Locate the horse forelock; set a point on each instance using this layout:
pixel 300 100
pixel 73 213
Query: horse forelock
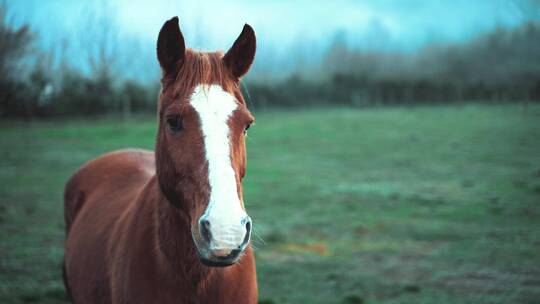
pixel 201 68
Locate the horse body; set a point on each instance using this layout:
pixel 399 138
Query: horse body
pixel 145 227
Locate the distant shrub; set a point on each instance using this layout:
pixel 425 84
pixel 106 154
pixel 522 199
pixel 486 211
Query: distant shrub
pixel 75 95
pixel 141 98
pixel 352 90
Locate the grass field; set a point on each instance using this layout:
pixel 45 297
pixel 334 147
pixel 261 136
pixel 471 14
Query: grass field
pixel 389 205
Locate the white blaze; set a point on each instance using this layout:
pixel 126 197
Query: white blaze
pixel 224 211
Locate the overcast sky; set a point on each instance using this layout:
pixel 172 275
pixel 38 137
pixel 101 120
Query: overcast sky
pixel 397 25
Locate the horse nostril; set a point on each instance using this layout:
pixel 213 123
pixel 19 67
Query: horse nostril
pixel 204 227
pixel 248 232
pixel 248 227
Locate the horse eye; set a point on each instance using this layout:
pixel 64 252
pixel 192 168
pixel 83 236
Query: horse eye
pixel 174 123
pixel 247 128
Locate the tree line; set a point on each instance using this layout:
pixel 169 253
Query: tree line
pixel 500 66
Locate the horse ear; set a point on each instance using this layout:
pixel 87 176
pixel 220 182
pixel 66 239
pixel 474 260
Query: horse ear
pixel 170 46
pixel 240 56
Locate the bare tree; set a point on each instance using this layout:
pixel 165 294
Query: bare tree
pixel 15 45
pixel 99 39
pixel 100 42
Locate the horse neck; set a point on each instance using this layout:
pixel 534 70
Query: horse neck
pixel 175 244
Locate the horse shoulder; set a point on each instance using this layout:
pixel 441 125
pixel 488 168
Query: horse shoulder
pixel 103 175
pixel 133 256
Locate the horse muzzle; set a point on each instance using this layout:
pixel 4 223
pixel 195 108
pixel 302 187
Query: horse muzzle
pixel 221 245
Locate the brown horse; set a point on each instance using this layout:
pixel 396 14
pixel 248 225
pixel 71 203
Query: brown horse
pixel 146 227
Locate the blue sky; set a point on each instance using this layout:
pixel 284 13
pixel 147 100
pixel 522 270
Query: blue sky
pixel 282 27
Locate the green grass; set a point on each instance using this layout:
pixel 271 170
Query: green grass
pixel 390 205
